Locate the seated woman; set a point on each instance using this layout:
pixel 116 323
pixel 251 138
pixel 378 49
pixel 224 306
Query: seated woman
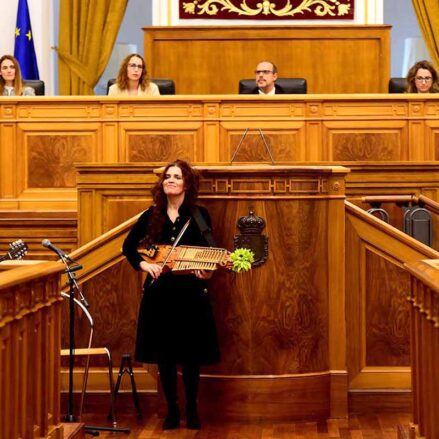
pixel 11 83
pixel 132 79
pixel 422 78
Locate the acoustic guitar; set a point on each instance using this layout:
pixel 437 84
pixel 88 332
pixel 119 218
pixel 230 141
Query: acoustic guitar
pixel 17 250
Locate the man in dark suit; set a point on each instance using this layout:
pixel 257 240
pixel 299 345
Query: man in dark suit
pixel 266 75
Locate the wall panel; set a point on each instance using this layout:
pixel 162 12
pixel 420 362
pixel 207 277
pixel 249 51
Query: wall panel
pixel 372 141
pixel 217 57
pixel 378 341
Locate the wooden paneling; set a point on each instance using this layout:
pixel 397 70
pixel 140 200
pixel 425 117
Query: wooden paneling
pixel 378 342
pixel 358 141
pixel 104 203
pixel 41 143
pixel 32 227
pixel 387 340
pixel 30 327
pixel 286 141
pixel 142 142
pixel 424 330
pixel 217 57
pixel 51 160
pixel 291 397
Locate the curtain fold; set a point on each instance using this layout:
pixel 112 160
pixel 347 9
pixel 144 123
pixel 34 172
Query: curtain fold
pixel 427 12
pixel 87 32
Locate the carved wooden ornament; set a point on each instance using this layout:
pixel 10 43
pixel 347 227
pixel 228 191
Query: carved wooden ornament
pixel 251 237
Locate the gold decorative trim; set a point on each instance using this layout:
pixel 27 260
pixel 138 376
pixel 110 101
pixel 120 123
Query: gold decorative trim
pixel 275 186
pixel 321 8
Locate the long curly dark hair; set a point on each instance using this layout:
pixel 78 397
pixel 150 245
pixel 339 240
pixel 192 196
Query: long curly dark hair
pixel 122 76
pixel 411 75
pixel 191 185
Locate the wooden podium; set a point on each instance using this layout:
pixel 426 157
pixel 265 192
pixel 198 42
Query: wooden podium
pixel 282 325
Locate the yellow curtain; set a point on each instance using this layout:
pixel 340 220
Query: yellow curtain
pixel 87 31
pixel 427 12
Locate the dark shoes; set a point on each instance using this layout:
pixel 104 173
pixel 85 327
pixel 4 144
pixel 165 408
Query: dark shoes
pixel 192 418
pixel 172 420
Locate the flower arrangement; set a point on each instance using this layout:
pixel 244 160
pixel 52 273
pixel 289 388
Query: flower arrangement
pixel 242 259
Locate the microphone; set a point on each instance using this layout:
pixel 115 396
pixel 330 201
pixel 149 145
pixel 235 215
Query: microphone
pixel 69 270
pixel 46 243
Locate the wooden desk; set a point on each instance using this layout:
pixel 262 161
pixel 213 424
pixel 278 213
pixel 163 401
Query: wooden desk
pixel 42 139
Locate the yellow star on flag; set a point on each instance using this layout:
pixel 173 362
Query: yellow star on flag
pixel 29 35
pixel 17 32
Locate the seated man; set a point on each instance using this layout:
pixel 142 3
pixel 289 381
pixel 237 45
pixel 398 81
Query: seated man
pixel 266 75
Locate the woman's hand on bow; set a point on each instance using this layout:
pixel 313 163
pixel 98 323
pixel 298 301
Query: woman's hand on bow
pixel 153 269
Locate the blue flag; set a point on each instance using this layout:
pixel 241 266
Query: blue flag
pixel 24 43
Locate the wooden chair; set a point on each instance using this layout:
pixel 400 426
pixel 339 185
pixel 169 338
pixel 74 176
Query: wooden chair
pixel 37 85
pixel 397 85
pixel 89 352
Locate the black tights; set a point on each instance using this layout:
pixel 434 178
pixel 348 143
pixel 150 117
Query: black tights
pixel 191 378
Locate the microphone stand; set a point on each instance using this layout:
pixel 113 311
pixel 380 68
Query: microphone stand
pixel 70 271
pixel 73 285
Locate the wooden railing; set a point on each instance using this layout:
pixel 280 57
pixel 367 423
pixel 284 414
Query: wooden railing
pixel 377 312
pixel 29 351
pixel 424 312
pixel 421 200
pixel 415 214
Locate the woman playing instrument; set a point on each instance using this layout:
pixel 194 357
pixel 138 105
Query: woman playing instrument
pixel 176 324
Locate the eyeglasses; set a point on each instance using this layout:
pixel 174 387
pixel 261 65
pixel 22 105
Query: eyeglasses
pixel 135 66
pixel 263 72
pixel 422 79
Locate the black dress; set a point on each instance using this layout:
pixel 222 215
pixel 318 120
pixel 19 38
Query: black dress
pixel 175 322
